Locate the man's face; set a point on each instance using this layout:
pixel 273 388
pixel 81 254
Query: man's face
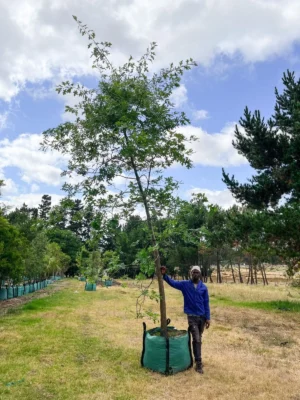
pixel 195 276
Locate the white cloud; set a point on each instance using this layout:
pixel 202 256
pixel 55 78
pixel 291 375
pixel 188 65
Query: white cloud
pixel 214 149
pixel 31 199
pixel 179 96
pixel 39 40
pixel 200 114
pixel 34 188
pixel 221 197
pixel 9 188
pixel 35 166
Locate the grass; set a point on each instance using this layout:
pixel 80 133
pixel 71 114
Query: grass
pixel 279 305
pixel 87 345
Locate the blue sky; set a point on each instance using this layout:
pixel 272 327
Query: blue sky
pixel 242 51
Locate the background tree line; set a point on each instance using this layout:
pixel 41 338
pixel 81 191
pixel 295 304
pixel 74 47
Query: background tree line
pixel 48 240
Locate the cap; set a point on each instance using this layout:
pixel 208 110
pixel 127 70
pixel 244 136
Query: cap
pixel 195 268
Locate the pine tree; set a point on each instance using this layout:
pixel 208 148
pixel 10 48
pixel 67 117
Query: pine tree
pixel 45 207
pixel 273 149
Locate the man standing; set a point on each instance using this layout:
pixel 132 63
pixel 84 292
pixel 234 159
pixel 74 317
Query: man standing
pixel 196 306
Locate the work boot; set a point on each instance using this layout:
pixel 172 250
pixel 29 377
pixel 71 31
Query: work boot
pixel 199 367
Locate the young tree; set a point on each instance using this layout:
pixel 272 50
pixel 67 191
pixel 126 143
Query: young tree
pixel 127 127
pixel 272 148
pixel 69 243
pixel 57 261
pixel 35 262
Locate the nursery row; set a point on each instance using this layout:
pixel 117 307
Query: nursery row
pixel 10 291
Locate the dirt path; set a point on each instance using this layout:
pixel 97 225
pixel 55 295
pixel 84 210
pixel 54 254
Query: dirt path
pixel 6 305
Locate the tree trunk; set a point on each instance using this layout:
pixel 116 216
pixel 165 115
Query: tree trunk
pixel 232 271
pixel 240 274
pixel 255 273
pixel 264 272
pixel 250 274
pixel 162 301
pixel 219 276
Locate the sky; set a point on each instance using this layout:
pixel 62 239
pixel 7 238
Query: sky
pixel 242 48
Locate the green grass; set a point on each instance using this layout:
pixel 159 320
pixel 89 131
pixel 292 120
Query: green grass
pixel 46 351
pixel 278 305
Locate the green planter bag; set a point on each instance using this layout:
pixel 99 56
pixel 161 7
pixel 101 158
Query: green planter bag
pixel 3 294
pixel 108 283
pixel 167 356
pixel 91 287
pixel 26 289
pixel 20 290
pixel 10 292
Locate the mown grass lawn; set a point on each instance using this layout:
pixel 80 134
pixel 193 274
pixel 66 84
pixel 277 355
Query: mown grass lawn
pixel 87 345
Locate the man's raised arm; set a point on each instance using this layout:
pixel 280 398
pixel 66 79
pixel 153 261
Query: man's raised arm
pixel 175 284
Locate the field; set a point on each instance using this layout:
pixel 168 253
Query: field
pixel 82 345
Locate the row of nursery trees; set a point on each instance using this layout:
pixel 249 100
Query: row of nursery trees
pixel 127 130
pixel 69 239
pixel 36 243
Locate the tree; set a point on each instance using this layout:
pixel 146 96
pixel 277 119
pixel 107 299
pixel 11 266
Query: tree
pixel 35 262
pixel 215 233
pixel 56 260
pixel 273 149
pixel 45 207
pixel 12 251
pixel 69 243
pixel 76 217
pixel 25 220
pixel 127 127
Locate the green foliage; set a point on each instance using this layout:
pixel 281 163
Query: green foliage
pixel 273 149
pixel 26 221
pixel 69 243
pixel 145 261
pixel 56 260
pixel 35 262
pixel 45 207
pixel 12 249
pixel 94 266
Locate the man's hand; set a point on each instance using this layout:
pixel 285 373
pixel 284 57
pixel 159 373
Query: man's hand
pixel 163 270
pixel 207 323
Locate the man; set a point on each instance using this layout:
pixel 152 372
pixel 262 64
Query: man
pixel 196 306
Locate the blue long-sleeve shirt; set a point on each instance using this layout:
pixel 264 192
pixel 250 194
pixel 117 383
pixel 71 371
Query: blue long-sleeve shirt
pixel 196 300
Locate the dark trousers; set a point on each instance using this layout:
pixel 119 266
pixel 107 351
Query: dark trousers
pixel 196 327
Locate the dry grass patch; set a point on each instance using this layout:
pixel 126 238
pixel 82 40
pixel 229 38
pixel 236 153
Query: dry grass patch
pixel 87 345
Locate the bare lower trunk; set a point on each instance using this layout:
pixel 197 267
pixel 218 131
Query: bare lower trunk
pixel 240 274
pixel 264 272
pixel 162 303
pixel 255 273
pixel 232 271
pixel 250 275
pixel 219 276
